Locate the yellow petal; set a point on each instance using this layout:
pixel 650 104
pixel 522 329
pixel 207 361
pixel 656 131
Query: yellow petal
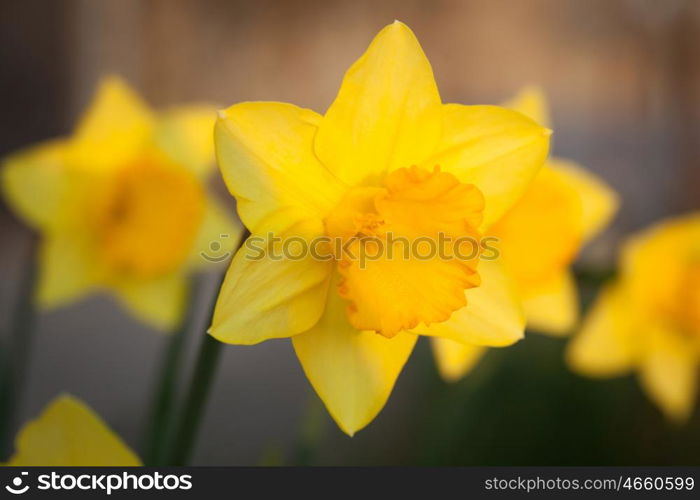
pixel 218 235
pixel 606 345
pixel 498 150
pixel 661 266
pixel 265 297
pixel 553 308
pixel 265 153
pixel 537 240
pixel 493 315
pixel 36 185
pixel 455 359
pixel 598 201
pixel 387 112
pixel 159 302
pixel 67 269
pixel 531 102
pixel 186 134
pixel 669 371
pixel 352 371
pixel 68 433
pixel 116 126
pixel 661 272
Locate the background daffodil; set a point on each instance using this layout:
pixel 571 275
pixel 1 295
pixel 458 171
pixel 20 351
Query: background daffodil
pixel 121 204
pixel 68 433
pixel 539 238
pixel 386 156
pixel 648 318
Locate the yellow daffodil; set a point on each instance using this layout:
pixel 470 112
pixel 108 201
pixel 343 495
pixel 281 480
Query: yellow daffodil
pixel 539 237
pixel 648 319
pixel 387 157
pixel 69 433
pixel 121 204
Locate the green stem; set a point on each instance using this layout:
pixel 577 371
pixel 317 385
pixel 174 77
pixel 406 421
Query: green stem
pixel 594 276
pixel 207 362
pixel 16 356
pixel 160 420
pixel 198 393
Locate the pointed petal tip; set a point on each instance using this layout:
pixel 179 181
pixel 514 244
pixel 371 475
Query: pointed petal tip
pixel 221 114
pixel 216 335
pixel 517 337
pixel 398 25
pixel 547 132
pixel 348 431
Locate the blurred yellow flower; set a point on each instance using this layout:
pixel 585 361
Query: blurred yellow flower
pixel 539 237
pixel 648 319
pixel 69 433
pixel 387 156
pixel 121 204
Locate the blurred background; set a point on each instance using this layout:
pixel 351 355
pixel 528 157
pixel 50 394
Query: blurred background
pixel 623 77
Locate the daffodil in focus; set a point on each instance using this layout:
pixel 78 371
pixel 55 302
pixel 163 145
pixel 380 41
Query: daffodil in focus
pixel 648 319
pixel 69 433
pixel 539 238
pixel 388 157
pixel 122 204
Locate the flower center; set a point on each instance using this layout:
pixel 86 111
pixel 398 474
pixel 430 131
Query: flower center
pixel 410 249
pixel 147 217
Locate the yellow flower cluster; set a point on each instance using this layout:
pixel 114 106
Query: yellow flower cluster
pixel 122 205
